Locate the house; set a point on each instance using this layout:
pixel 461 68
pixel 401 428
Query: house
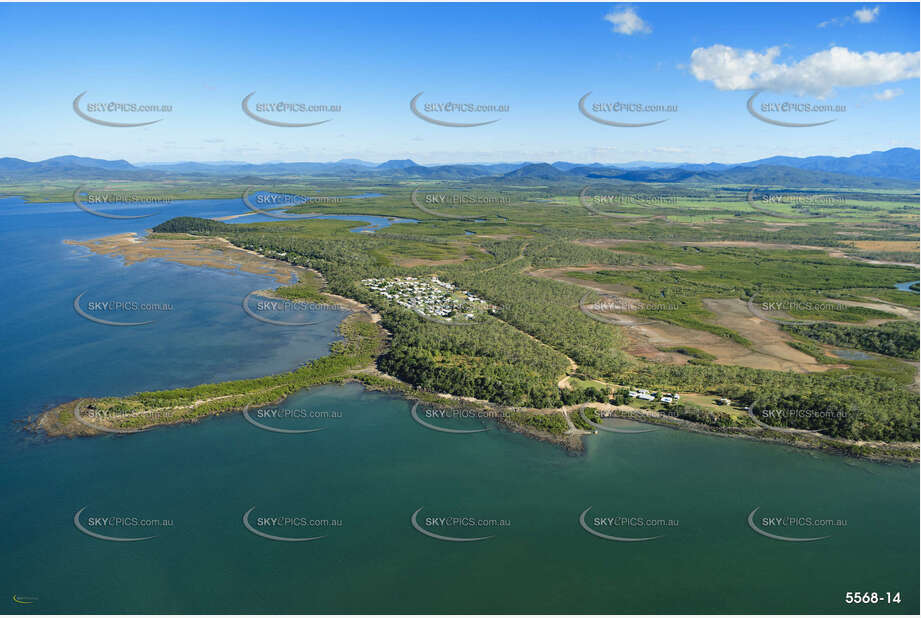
pixel 666 399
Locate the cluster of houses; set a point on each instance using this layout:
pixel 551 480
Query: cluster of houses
pixel 647 396
pixel 429 297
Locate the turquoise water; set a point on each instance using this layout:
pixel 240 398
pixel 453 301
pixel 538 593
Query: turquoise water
pixel 906 287
pixel 369 468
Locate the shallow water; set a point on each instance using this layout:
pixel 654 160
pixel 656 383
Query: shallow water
pixel 370 467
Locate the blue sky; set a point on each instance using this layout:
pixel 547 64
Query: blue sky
pixel 538 59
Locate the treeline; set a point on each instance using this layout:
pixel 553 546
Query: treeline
pixel 488 360
pixel 834 414
pixel 898 339
pixel 498 360
pixel 547 310
pixel 879 408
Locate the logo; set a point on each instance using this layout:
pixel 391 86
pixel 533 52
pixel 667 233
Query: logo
pixel 285 107
pixel 108 199
pixel 414 198
pixel 111 521
pixel 286 201
pixel 610 302
pixel 446 521
pixel 618 107
pixel 785 521
pixel 117 305
pixel 454 107
pixel 768 199
pixel 611 521
pixel 785 107
pixel 275 414
pixel 78 414
pixel 782 306
pixel 275 305
pixel 416 418
pixel 113 106
pixel 297 521
pixel 614 199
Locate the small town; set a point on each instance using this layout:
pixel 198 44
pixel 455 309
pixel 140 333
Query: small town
pixel 429 297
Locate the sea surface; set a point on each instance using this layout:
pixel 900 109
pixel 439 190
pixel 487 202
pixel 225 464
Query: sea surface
pixel 358 479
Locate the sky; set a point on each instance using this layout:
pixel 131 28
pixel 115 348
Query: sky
pixel 701 61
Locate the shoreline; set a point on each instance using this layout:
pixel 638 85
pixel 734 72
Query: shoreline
pixel 60 421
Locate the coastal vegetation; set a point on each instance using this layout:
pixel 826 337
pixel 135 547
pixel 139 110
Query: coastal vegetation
pixel 898 339
pixel 534 258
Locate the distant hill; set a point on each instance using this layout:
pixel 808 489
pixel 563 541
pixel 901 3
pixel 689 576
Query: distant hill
pixel 69 166
pixel 537 171
pixel 760 175
pixel 397 164
pixel 900 163
pixel 443 172
pixel 893 169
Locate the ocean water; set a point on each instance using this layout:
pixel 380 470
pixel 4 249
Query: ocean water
pixel 357 481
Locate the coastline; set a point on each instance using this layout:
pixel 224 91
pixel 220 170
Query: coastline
pixel 60 421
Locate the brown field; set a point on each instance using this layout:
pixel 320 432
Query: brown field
pixel 193 251
pixel 768 349
pixel 887 245
pixel 901 312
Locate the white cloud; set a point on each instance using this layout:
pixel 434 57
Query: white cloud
pixel 817 75
pixel 888 94
pixel 865 15
pixel 626 21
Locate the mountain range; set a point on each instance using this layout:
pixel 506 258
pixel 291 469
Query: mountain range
pixel 896 168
